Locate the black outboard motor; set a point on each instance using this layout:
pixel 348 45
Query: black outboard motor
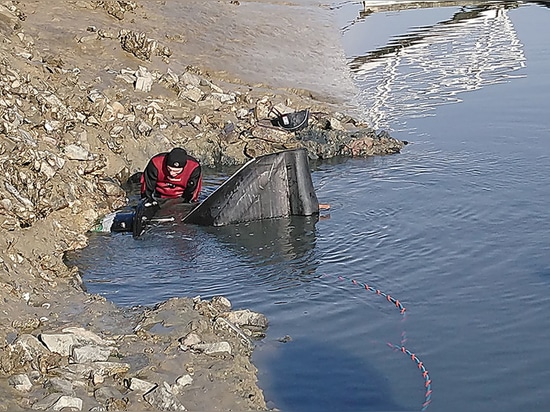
pixel 143 216
pixel 123 222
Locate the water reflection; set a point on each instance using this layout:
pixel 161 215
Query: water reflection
pixel 175 259
pixel 428 66
pixel 283 249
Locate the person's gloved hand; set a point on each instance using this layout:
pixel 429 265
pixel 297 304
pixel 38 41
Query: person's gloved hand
pixel 150 202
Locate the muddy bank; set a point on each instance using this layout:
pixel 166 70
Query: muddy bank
pixel 89 91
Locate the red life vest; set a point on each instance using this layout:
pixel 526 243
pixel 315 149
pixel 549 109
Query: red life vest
pixel 168 187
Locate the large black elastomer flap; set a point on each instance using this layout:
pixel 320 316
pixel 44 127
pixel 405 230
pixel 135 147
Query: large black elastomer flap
pixel 270 186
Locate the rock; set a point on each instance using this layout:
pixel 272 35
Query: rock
pixel 191 93
pixel 59 342
pixel 85 370
pixel 88 38
pixel 47 170
pixel 247 318
pixel 90 353
pixel 221 303
pixel 116 404
pixel 191 339
pixel 144 128
pixel 144 80
pixel 47 402
pixel 271 135
pixel 163 399
pixel 66 401
pixel 32 347
pixel 117 9
pixel 20 382
pixel 105 393
pixel 111 187
pixel 86 336
pixel 56 384
pixel 138 44
pixel 225 98
pixel 127 76
pixel 213 348
pixel 181 383
pixel 140 385
pixel 97 378
pixel 75 152
pixel 188 78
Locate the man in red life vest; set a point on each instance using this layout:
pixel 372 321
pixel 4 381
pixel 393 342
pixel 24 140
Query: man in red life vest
pixel 171 175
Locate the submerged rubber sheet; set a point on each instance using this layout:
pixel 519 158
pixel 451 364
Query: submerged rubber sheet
pixel 269 186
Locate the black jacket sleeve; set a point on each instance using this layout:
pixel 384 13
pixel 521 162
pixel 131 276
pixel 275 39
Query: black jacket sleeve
pixel 150 174
pixel 192 184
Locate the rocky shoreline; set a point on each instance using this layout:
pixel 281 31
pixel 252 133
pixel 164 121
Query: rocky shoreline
pixel 72 131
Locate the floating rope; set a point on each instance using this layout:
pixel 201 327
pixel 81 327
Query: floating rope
pixel 425 374
pixel 397 304
pixel 401 347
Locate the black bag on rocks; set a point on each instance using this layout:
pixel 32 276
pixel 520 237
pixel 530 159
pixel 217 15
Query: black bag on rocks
pixel 290 121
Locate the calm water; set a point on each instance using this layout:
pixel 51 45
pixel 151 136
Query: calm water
pixel 455 227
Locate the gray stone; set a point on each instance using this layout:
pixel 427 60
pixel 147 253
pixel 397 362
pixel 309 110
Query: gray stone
pixel 247 318
pixel 20 382
pixel 111 187
pixel 85 336
pixel 66 401
pixel 90 353
pixel 190 78
pixel 191 93
pixel 127 77
pixel 225 97
pixel 47 402
pixel 85 370
pixel 144 128
pixel 221 303
pixel 144 80
pixel 88 38
pixel 213 348
pixel 98 379
pixel 59 385
pixel 138 44
pixel 47 170
pixel 31 346
pixel 191 339
pixel 76 152
pixel 181 383
pixel 104 393
pixel 59 342
pixel 140 385
pixel 163 399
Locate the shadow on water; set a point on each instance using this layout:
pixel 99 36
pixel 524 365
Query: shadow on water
pixel 281 251
pixel 281 239
pixel 266 241
pixel 347 384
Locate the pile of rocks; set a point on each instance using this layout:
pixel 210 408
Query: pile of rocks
pixel 78 369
